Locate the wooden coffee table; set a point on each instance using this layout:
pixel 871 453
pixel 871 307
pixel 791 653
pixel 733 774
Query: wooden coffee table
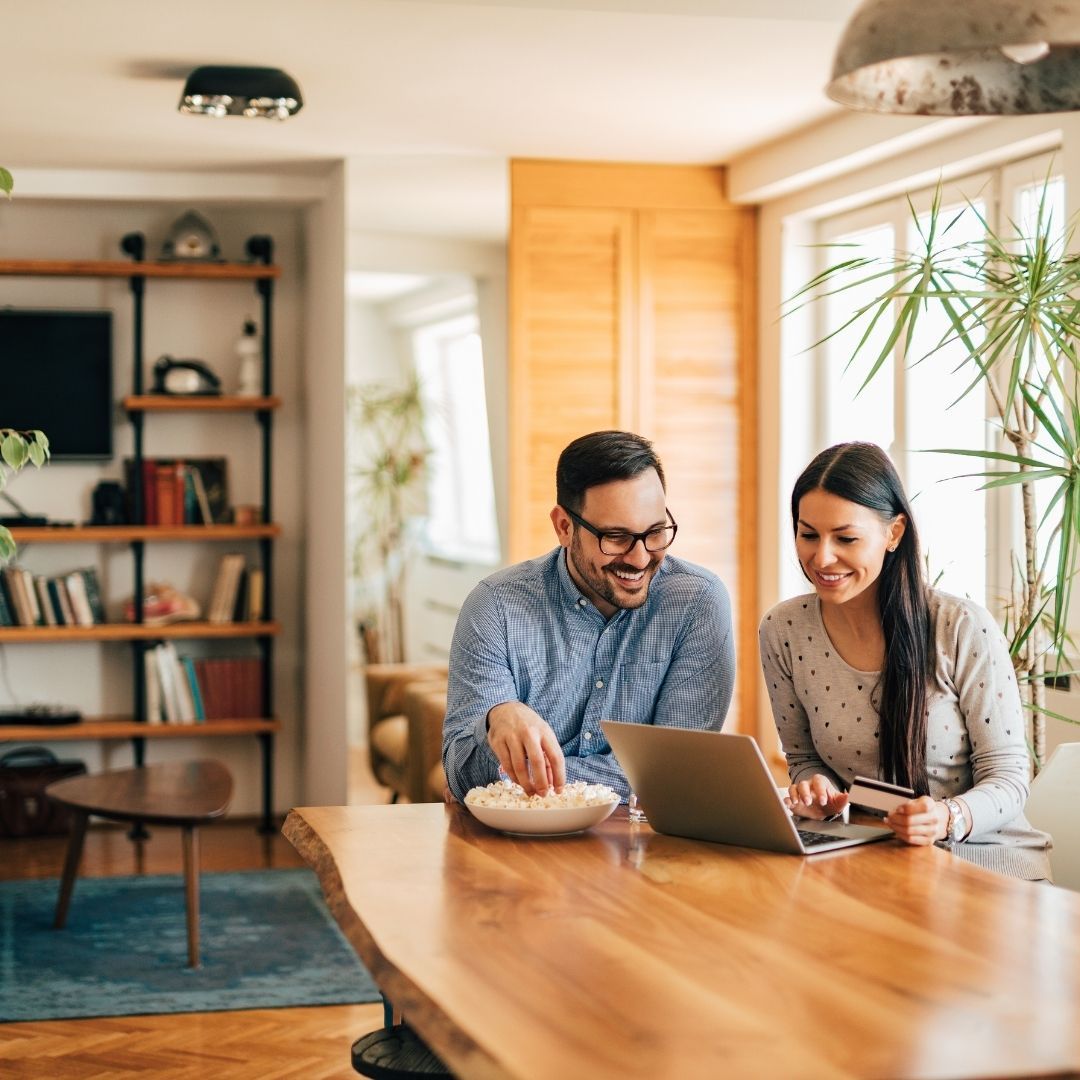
pixel 183 793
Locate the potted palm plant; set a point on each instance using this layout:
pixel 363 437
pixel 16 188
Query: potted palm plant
pixel 1010 305
pixel 389 482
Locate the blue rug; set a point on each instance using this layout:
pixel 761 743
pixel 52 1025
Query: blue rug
pixel 267 940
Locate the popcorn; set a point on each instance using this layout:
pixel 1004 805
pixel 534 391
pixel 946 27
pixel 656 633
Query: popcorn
pixel 510 796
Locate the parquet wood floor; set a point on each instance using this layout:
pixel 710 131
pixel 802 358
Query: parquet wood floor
pixel 270 1044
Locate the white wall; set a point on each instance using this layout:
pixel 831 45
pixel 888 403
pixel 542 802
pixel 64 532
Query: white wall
pixel 324 565
pixel 185 319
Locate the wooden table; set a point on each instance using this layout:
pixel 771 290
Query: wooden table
pixel 623 953
pixel 183 793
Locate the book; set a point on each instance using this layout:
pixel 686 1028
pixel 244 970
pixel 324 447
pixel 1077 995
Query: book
pixel 166 486
pixel 37 618
pixel 232 688
pixel 7 616
pixel 41 586
pixel 167 676
pixel 62 601
pixel 206 516
pixel 165 480
pixel 223 595
pixel 16 589
pixel 240 603
pixel 152 688
pixel 80 603
pixel 150 511
pixel 185 704
pixel 93 593
pixel 256 583
pixel 193 686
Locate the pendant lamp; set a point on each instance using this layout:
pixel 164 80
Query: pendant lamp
pixel 221 90
pixel 960 57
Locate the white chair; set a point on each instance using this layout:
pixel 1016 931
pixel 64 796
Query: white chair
pixel 1052 808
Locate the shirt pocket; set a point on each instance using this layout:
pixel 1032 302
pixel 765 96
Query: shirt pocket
pixel 637 685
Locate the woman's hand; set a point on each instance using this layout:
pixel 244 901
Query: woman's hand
pixel 920 821
pixel 815 798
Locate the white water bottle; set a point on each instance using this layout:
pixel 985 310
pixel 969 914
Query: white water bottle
pixel 249 352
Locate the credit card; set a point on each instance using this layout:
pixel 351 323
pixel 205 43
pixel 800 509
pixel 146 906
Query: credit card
pixel 877 794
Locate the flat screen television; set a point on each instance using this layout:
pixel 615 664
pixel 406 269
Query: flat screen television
pixel 57 377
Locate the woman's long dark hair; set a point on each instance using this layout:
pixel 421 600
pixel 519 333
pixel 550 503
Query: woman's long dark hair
pixel 862 473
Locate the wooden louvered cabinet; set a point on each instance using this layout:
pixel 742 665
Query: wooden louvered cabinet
pixel 632 292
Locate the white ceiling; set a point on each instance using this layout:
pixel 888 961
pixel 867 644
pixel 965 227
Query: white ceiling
pixel 426 99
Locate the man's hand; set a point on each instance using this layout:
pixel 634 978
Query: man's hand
pixel 815 798
pixel 526 748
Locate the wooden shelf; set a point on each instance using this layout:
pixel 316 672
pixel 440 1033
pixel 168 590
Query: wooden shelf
pixel 124 534
pixel 120 728
pixel 134 632
pixel 136 407
pixel 198 403
pixel 118 268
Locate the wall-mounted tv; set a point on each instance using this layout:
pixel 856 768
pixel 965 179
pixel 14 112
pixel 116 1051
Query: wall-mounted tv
pixel 57 376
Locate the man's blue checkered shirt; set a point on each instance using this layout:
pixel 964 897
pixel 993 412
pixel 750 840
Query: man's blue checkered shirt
pixel 528 634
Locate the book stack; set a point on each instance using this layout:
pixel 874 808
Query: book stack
pixel 175 492
pixel 237 595
pixel 231 688
pixel 184 690
pixel 72 599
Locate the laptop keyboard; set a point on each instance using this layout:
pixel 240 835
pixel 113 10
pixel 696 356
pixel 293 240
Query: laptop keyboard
pixel 809 838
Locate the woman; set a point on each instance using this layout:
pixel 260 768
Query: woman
pixel 879 675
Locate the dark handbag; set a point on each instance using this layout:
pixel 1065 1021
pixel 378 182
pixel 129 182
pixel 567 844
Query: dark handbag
pixel 25 810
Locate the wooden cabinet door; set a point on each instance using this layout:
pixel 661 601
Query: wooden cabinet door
pixel 631 306
pixel 572 343
pixel 696 378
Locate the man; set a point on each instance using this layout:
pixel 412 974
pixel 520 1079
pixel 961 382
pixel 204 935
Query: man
pixel 607 626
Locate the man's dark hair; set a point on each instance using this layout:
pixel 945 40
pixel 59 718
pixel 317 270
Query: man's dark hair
pixel 600 458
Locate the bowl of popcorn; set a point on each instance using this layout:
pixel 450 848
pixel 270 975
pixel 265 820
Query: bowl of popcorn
pixel 506 807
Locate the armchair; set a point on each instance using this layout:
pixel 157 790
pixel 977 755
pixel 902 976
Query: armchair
pixel 388 726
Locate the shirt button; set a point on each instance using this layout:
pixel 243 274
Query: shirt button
pixel 582 602
pixel 588 734
pixel 599 684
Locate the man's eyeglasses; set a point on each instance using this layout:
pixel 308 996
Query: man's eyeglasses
pixel 620 542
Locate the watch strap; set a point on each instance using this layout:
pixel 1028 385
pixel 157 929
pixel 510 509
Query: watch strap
pixel 957 823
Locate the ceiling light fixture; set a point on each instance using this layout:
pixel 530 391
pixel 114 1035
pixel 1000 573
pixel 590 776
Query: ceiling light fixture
pixel 960 57
pixel 220 90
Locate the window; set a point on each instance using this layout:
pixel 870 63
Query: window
pixel 912 409
pixel 449 360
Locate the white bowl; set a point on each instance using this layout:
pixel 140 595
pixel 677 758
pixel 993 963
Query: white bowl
pixel 553 821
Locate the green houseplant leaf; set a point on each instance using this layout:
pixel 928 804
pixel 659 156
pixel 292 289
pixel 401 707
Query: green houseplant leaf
pixel 17 448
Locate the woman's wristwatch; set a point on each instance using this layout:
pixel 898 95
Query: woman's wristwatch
pixel 957 828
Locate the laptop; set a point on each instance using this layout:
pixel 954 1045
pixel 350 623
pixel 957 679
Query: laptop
pixel 706 785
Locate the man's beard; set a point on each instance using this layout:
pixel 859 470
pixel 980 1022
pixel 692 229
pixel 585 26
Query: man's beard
pixel 602 581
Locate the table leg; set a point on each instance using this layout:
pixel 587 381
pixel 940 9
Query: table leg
pixel 191 887
pixel 266 745
pixel 71 866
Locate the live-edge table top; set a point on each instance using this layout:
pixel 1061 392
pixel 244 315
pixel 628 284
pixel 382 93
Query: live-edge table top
pixel 622 953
